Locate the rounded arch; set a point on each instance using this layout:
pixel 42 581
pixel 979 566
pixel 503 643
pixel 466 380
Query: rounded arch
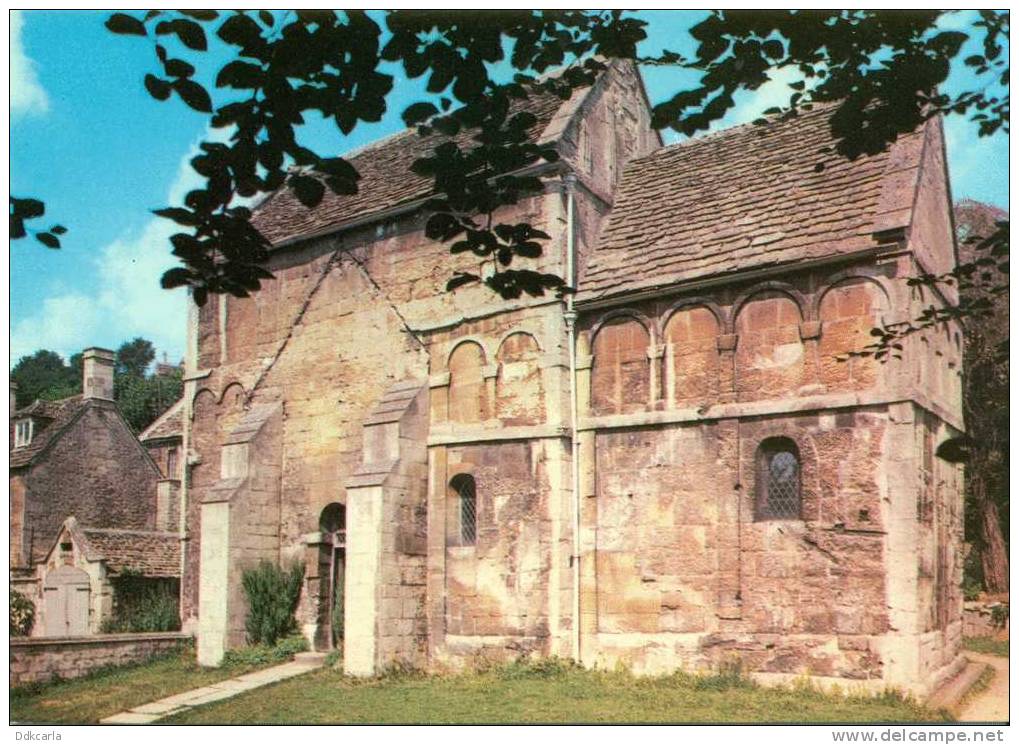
pixel 770 357
pixel 468 341
pixel 620 370
pixel 516 332
pixel 467 395
pixel 847 276
pixel 332 518
pixel 849 308
pixel 202 396
pixel 233 393
pixel 614 315
pixel 690 335
pixel 771 286
pixel 716 310
pixel 519 392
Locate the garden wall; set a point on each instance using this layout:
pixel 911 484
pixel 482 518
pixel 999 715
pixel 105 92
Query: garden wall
pixel 41 659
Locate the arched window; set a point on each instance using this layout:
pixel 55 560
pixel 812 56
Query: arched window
pixel 778 480
pixel 463 484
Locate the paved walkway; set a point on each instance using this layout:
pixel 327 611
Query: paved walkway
pixel 991 704
pixel 164 707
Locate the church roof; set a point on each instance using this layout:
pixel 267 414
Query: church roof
pixel 749 197
pixel 386 179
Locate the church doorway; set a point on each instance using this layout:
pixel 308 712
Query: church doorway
pixel 332 556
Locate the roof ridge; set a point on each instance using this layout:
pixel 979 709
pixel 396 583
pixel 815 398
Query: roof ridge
pixel 128 531
pixel 771 119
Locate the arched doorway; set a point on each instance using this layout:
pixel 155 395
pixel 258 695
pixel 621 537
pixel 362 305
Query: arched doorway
pixel 65 602
pixel 332 525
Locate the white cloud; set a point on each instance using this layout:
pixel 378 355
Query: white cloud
pixel 751 105
pixel 27 95
pixel 128 301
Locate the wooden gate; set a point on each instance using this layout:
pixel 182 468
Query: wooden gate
pixel 66 601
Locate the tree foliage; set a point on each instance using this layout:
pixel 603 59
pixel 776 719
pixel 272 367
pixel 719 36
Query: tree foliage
pixel 134 357
pixel 884 69
pixel 24 209
pixel 986 393
pixel 44 375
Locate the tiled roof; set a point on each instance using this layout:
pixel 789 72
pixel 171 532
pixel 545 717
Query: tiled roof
pixel 748 197
pixel 59 413
pixel 386 179
pixel 169 424
pixel 151 553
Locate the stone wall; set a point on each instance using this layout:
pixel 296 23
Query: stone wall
pixel 97 472
pixel 40 660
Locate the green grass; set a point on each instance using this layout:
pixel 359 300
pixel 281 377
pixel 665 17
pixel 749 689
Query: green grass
pixel 111 690
pixel 986 645
pixel 545 692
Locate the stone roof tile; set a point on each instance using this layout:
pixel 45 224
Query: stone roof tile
pixel 747 197
pixel 386 178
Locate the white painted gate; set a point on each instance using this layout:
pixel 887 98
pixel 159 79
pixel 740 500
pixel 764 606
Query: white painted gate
pixel 66 601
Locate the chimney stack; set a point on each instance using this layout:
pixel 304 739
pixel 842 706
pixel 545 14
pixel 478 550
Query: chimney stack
pixel 13 399
pixel 98 368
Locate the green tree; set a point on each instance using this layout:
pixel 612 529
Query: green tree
pixel 134 357
pixel 44 375
pixel 142 399
pixel 986 393
pixel 884 69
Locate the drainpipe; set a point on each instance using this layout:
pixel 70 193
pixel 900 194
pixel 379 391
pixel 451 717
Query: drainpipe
pixel 570 317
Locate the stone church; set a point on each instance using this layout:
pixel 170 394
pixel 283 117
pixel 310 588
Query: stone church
pixel 673 468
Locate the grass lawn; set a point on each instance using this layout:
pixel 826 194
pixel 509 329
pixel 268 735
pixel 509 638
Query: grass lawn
pixel 87 700
pixel 986 645
pixel 543 693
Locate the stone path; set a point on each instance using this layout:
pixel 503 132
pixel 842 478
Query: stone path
pixel 164 707
pixel 991 704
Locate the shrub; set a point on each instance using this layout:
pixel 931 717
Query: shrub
pixel 264 654
pixel 22 614
pixel 999 615
pixel 143 604
pixel 272 594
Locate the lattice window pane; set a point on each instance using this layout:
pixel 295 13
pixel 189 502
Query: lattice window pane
pixel 783 485
pixel 465 488
pixel 468 518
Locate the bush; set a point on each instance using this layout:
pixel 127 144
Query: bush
pixel 264 654
pixel 999 615
pixel 22 614
pixel 143 604
pixel 272 594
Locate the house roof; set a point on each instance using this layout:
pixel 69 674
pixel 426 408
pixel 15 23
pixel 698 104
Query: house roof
pixel 60 413
pixel 748 197
pixel 148 552
pixel 386 179
pixel 170 424
pixel 151 553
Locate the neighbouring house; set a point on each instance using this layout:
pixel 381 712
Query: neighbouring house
pixel 163 439
pixel 79 574
pixel 79 475
pixel 676 466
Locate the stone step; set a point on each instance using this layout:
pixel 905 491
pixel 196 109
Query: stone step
pixel 311 659
pixel 949 694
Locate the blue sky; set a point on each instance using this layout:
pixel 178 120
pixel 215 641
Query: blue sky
pixel 87 138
